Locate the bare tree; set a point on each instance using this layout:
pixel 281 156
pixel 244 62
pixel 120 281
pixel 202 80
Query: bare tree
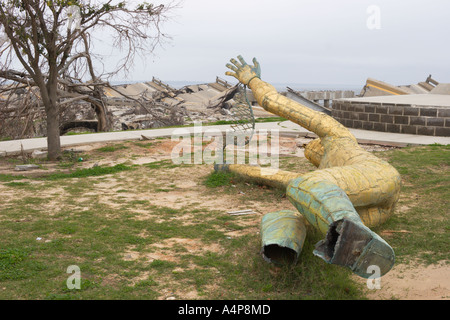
pixel 49 45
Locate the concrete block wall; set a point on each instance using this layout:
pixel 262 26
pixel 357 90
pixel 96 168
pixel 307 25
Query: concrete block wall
pixel 397 118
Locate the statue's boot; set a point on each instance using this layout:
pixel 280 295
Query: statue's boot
pixel 348 241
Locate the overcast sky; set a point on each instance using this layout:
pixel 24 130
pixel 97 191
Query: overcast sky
pixel 306 41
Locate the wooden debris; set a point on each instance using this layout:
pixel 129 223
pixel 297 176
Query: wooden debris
pixel 26 167
pixel 146 138
pixel 241 212
pixel 387 233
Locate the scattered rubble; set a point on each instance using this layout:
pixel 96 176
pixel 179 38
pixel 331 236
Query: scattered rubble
pixel 38 154
pixel 26 167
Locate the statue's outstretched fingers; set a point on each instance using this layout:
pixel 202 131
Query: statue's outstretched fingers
pixel 237 64
pixel 256 63
pixel 242 60
pixel 229 73
pixel 229 66
pixel 257 67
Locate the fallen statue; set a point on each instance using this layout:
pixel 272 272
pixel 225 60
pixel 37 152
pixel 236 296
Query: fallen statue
pixel 351 191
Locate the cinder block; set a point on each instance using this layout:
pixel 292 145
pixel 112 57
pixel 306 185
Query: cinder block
pixel 378 126
pixel 401 120
pixel 420 121
pixel 409 129
pixel 343 106
pixel 374 117
pixel 437 122
pixel 359 107
pixel 443 132
pixel 357 124
pixel 395 128
pixel 395 110
pixel 426 131
pixel 363 117
pixel 410 111
pixel 367 125
pixel 444 113
pixel 381 109
pixel 369 108
pixel 354 115
pixel 428 112
pixel 387 118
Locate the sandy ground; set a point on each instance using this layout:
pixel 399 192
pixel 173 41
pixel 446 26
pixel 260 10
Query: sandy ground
pixel 403 282
pixel 412 282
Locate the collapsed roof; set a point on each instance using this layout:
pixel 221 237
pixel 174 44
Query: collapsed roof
pixel 374 87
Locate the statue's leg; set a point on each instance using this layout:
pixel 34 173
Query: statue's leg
pixel 283 234
pixel 348 241
pixel 374 216
pixel 278 179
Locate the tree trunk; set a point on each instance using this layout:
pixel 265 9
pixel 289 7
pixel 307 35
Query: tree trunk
pixel 52 112
pixel 53 134
pixel 102 117
pixel 100 110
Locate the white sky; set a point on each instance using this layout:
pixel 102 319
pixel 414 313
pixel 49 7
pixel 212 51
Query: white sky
pixel 305 41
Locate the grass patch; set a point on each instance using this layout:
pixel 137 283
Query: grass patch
pixel 219 179
pixel 17 184
pixel 12 264
pixel 112 148
pixel 167 164
pixel 146 145
pixel 424 203
pixel 89 172
pixel 10 177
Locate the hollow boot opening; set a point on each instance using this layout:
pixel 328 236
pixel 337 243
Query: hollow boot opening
pixel 279 255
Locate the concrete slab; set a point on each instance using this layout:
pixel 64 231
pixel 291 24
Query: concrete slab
pixel 441 88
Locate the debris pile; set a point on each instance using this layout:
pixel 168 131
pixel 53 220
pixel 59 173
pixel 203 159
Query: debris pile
pixel 203 102
pixel 375 87
pixel 133 106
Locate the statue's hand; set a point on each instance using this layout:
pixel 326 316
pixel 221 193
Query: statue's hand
pixel 242 71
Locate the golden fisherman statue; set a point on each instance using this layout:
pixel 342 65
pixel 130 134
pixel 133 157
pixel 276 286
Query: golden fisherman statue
pixel 351 191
